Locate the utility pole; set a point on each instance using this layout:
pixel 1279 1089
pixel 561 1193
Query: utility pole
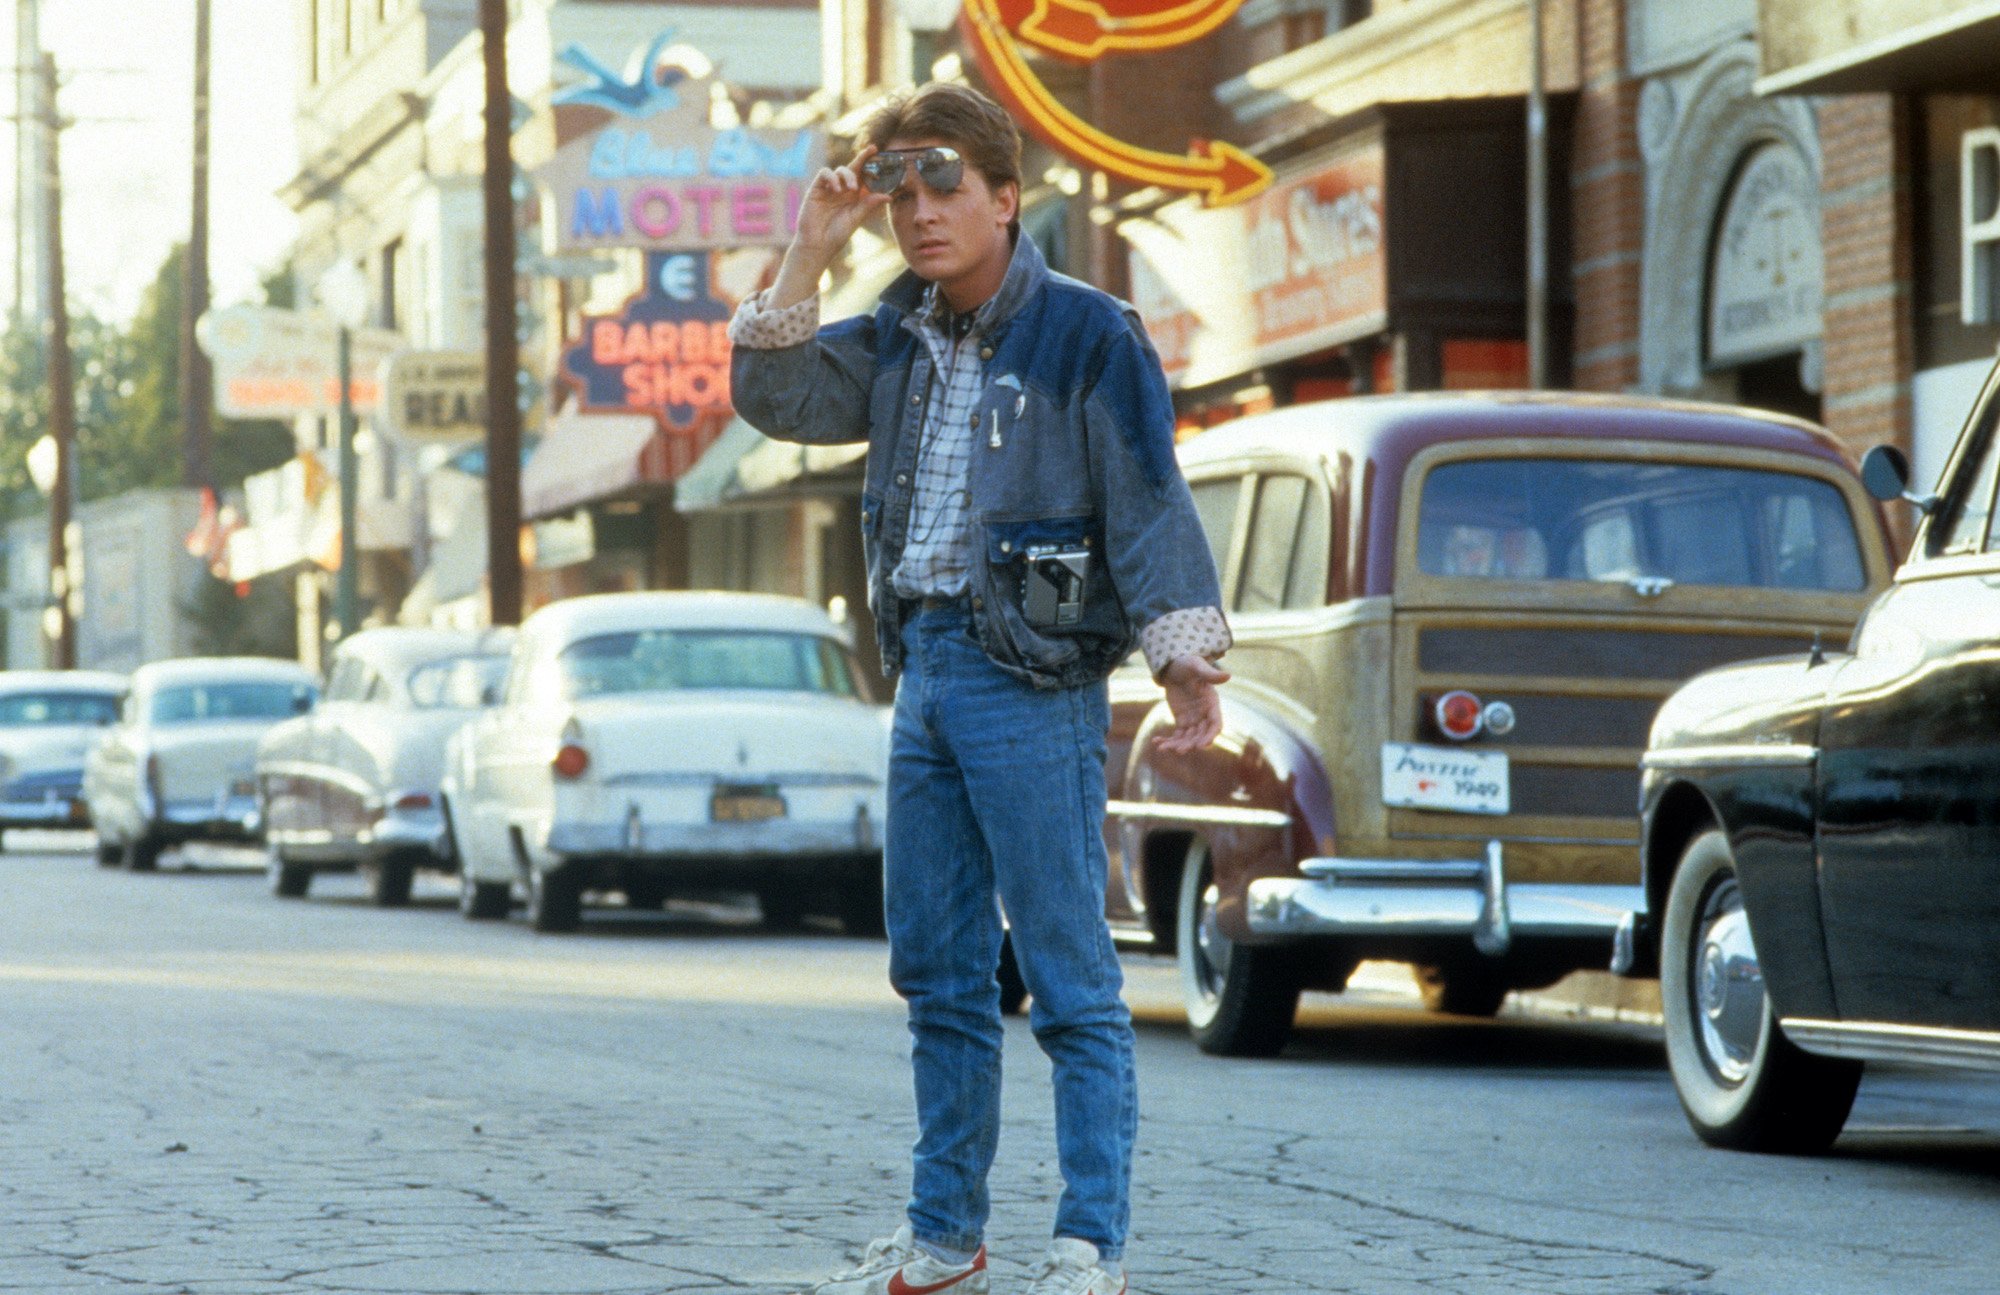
pixel 197 376
pixel 28 216
pixel 1538 204
pixel 503 351
pixel 62 384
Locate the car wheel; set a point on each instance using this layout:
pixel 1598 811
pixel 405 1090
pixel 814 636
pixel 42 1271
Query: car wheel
pixel 389 882
pixel 484 901
pixel 288 880
pixel 141 854
pixel 109 854
pixel 1461 988
pixel 1013 989
pixel 1240 999
pixel 1742 1083
pixel 555 899
pixel 860 900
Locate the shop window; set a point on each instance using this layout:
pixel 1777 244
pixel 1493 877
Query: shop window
pixel 1979 206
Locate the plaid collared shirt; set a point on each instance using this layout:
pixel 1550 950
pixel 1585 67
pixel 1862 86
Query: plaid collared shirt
pixel 936 559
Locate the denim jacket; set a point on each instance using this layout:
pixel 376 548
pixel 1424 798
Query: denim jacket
pixel 1083 457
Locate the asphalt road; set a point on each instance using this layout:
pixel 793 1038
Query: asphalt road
pixel 210 1091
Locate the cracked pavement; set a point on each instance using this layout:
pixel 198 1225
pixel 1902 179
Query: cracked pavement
pixel 208 1091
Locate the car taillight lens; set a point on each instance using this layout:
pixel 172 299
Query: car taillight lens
pixel 1459 715
pixel 571 761
pixel 413 800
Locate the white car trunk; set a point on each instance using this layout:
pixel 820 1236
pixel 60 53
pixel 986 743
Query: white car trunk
pixel 202 761
pixel 753 737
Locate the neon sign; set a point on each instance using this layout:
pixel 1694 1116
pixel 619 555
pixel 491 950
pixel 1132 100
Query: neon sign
pixel 660 174
pixel 1084 31
pixel 665 354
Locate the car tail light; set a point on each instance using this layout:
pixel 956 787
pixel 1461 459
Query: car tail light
pixel 571 760
pixel 153 776
pixel 1459 715
pixel 413 800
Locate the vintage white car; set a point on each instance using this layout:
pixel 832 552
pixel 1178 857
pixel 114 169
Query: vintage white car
pixel 663 743
pixel 354 784
pixel 48 721
pixel 178 766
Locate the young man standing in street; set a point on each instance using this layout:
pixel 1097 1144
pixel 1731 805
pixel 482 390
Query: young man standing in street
pixel 1025 523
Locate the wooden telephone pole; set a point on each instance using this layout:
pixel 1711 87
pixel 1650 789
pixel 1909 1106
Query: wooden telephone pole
pixel 503 349
pixel 62 385
pixel 197 375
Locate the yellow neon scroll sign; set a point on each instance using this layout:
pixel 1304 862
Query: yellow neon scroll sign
pixel 1084 31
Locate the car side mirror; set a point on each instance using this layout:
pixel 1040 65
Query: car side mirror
pixel 1885 471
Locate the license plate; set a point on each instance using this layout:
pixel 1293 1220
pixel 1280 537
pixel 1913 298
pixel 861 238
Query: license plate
pixel 745 805
pixel 1446 778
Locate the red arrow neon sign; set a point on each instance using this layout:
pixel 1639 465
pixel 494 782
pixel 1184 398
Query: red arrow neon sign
pixel 1086 30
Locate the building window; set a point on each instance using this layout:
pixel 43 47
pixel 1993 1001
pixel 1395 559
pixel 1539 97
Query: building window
pixel 1979 226
pixel 392 274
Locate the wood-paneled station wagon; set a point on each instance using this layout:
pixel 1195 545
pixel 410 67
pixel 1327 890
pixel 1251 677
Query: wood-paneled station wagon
pixel 1455 619
pixel 1822 839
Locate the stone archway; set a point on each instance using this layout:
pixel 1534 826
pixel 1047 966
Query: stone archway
pixel 1694 128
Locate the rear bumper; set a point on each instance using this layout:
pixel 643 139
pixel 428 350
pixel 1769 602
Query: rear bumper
pixel 634 838
pixel 52 799
pixel 226 817
pixel 1425 898
pixel 401 830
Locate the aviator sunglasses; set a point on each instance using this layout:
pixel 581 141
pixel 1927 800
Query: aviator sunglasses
pixel 941 168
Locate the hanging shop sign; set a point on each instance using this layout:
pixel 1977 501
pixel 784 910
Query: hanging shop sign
pixel 1768 271
pixel 275 363
pixel 670 178
pixel 1000 34
pixel 665 354
pixel 1296 269
pixel 435 396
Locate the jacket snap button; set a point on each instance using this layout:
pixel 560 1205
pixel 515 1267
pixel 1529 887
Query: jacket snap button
pixel 902 478
pixel 974 421
pixel 1006 546
pixel 916 400
pixel 979 604
pixel 985 352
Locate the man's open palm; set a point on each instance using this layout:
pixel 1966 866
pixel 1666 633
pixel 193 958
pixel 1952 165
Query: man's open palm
pixel 1190 683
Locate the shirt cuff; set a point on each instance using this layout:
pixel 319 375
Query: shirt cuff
pixel 1192 631
pixel 763 329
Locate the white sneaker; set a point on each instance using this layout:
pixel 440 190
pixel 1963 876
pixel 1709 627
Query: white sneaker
pixel 1072 1268
pixel 895 1266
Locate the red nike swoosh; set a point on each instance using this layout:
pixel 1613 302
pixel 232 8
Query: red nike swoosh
pixel 897 1286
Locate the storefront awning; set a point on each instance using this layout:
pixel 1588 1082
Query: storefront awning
pixel 1860 46
pixel 745 466
pixel 457 567
pixel 582 458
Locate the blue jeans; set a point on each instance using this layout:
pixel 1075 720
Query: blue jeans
pixel 997 788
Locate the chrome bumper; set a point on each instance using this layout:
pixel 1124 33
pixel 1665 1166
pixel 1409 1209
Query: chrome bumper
pixel 1471 897
pixel 57 811
pixel 632 837
pixel 407 830
pixel 224 815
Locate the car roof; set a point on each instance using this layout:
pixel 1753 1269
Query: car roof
pixel 397 649
pixel 184 670
pixel 62 681
pixel 1389 430
pixel 570 619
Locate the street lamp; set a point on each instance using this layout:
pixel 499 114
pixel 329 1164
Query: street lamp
pixel 928 20
pixel 343 294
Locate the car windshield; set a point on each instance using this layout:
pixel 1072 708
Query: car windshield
pixel 21 709
pixel 1578 519
pixel 671 660
pixel 464 683
pixel 258 699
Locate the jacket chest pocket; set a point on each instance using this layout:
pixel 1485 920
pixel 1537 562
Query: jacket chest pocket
pixel 1000 414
